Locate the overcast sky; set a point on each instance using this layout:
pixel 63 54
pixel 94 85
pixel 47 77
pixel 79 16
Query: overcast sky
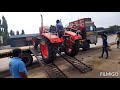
pixel 31 21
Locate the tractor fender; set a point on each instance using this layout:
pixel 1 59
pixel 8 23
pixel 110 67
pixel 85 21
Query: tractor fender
pixel 73 35
pixel 52 38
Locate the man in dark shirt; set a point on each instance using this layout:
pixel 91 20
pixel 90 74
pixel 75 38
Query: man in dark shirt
pixel 104 46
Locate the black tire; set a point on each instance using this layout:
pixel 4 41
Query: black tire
pixel 86 45
pixel 51 52
pixel 27 59
pixel 75 49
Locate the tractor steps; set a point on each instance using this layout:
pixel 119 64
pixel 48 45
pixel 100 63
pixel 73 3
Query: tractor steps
pixel 51 69
pixel 82 67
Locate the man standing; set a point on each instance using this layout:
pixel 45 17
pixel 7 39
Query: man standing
pixel 105 46
pixel 16 65
pixel 118 39
pixel 60 28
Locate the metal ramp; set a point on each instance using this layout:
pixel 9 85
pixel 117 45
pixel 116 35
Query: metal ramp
pixel 82 67
pixel 51 69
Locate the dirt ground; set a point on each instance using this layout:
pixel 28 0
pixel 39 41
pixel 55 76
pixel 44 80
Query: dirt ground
pixel 102 68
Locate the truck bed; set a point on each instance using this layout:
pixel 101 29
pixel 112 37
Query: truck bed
pixel 7 52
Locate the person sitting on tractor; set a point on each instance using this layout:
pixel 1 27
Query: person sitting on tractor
pixel 60 28
pixel 52 29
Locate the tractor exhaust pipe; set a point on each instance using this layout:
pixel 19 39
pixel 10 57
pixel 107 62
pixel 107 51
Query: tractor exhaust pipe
pixel 41 28
pixel 41 20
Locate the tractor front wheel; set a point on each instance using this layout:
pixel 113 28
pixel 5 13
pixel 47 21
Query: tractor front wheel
pixel 73 49
pixel 47 51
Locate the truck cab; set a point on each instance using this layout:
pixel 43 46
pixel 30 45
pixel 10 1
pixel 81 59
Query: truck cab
pixel 91 33
pixel 87 29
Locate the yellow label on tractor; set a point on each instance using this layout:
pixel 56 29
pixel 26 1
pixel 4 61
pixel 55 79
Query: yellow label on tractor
pixel 90 33
pixel 81 41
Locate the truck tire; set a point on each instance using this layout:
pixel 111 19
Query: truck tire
pixel 27 59
pixel 47 51
pixel 86 45
pixel 74 51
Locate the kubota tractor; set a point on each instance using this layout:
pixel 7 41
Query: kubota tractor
pixel 51 44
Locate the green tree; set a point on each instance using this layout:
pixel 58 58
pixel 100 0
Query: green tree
pixel 22 32
pixel 0 28
pixel 12 32
pixel 4 24
pixel 113 29
pixel 17 32
pixel 0 23
pixel 0 32
pixel 5 33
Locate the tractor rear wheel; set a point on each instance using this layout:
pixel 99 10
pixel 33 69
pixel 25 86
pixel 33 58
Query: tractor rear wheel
pixel 47 51
pixel 73 50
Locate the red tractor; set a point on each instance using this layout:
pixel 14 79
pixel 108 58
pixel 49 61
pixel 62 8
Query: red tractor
pixel 51 43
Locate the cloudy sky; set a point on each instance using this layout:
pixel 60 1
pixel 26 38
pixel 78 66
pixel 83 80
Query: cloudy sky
pixel 31 21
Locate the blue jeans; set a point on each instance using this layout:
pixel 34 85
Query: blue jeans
pixel 60 33
pixel 104 49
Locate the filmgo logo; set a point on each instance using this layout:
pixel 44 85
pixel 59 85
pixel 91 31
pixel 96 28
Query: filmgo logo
pixel 108 74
